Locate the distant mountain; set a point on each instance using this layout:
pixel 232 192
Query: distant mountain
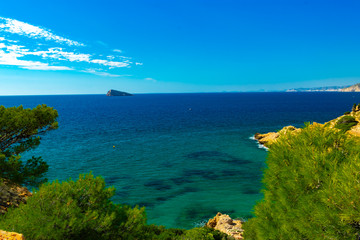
pixel 113 92
pixel 323 89
pixel 353 88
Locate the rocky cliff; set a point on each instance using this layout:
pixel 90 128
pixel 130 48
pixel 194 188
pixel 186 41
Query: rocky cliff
pixel 116 93
pixel 353 88
pixel 267 139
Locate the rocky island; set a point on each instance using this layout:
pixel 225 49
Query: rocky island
pixel 116 93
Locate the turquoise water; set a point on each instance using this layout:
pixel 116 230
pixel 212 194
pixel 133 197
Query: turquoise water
pixel 184 157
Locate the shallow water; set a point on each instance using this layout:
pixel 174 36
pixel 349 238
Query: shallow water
pixel 183 156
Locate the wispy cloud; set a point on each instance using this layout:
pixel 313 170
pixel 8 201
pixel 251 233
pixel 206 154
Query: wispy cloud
pixel 105 74
pixel 150 79
pixel 22 28
pixel 12 60
pixel 36 48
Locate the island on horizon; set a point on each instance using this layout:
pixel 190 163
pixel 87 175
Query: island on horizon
pixel 116 93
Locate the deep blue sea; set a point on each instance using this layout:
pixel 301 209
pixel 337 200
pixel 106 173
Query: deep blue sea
pixel 184 157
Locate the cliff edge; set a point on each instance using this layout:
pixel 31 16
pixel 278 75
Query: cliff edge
pixel 353 117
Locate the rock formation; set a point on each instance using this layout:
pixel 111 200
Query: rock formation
pixel 116 93
pixel 12 195
pixel 353 88
pixel 11 236
pixel 267 139
pixel 225 224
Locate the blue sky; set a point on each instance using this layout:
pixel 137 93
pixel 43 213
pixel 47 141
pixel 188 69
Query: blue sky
pixel 87 47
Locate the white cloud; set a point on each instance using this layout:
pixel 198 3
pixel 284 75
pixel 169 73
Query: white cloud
pixel 41 49
pixel 12 60
pixel 103 74
pixel 138 64
pixel 31 31
pixel 150 79
pixel 111 63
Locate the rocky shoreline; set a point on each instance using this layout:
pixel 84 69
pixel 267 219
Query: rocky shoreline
pixel 267 139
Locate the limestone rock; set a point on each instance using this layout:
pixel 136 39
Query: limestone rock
pixel 225 224
pixel 11 236
pixel 116 93
pixel 353 88
pixel 12 195
pixel 269 138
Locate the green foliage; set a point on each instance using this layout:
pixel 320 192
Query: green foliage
pixel 201 233
pixel 347 113
pixel 353 107
pixel 73 210
pixel 82 210
pixel 20 131
pixel 312 188
pixel 345 123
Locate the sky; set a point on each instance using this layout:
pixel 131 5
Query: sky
pixel 162 46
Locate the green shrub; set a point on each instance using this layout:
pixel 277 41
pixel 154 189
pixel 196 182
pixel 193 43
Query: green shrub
pixel 82 210
pixel 345 123
pixel 346 113
pixel 312 188
pixel 74 210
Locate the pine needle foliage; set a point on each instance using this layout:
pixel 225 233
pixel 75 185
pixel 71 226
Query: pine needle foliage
pixel 345 123
pixel 73 210
pixel 82 209
pixel 20 131
pixel 311 188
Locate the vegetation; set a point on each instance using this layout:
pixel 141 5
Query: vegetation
pixel 311 188
pixel 82 209
pixel 345 123
pixel 347 113
pixel 353 107
pixel 20 131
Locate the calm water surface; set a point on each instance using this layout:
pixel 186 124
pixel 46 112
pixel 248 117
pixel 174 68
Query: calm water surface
pixel 183 156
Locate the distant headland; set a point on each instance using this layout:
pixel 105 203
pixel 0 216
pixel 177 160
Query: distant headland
pixel 116 93
pixel 352 88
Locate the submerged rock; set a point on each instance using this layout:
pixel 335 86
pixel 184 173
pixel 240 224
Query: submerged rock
pixel 225 224
pixel 116 93
pixel 11 236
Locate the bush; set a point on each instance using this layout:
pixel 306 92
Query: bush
pixel 345 123
pixel 312 188
pixel 73 210
pixel 346 113
pixel 82 210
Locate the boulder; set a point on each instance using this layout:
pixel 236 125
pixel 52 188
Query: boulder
pixel 225 224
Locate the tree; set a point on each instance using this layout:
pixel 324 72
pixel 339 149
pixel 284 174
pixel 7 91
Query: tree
pixel 20 131
pixel 312 188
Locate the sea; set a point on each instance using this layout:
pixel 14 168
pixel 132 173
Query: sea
pixel 184 157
